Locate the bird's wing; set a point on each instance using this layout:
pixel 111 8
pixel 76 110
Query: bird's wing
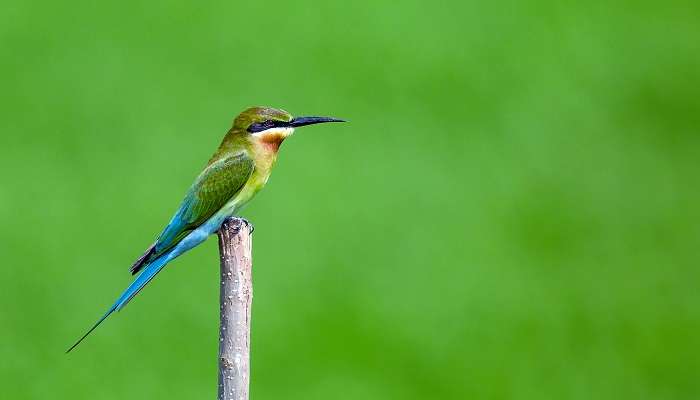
pixel 215 186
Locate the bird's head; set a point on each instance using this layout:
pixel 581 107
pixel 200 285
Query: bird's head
pixel 272 126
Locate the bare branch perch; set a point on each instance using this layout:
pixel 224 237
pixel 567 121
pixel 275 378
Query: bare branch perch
pixel 235 245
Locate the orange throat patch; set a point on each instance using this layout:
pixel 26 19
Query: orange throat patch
pixel 272 141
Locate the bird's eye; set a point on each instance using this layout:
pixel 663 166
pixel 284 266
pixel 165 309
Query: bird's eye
pixel 261 126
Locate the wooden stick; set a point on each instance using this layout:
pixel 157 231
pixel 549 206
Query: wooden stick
pixel 235 245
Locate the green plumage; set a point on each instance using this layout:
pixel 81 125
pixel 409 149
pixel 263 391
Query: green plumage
pixel 215 186
pixel 235 173
pixel 228 171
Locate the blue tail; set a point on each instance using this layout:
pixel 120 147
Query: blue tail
pixel 151 270
pixel 142 280
pixel 139 283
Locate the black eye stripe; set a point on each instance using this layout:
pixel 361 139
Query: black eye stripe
pixel 261 126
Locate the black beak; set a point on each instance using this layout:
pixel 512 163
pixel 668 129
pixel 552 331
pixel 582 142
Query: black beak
pixel 303 121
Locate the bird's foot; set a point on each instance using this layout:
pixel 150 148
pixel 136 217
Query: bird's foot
pixel 238 222
pixel 251 227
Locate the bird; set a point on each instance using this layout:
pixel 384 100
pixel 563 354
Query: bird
pixel 235 173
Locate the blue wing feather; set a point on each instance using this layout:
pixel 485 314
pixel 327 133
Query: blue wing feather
pixel 218 183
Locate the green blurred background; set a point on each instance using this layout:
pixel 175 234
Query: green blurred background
pixel 512 212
